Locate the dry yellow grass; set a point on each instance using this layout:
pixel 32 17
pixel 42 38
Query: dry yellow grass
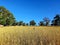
pixel 23 35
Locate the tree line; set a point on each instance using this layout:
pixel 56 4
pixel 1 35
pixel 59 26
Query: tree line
pixel 8 19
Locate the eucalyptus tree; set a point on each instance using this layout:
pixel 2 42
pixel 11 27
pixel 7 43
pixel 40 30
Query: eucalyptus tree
pixel 6 17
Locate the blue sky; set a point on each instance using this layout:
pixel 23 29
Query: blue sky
pixel 27 10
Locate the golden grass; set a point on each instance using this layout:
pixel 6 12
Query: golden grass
pixel 31 35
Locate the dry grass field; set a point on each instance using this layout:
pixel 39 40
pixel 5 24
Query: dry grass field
pixel 26 35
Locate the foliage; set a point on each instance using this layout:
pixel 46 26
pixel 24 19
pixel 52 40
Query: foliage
pixel 27 24
pixel 24 24
pixel 6 17
pixel 56 20
pixel 32 23
pixel 41 23
pixel 46 20
pixel 20 23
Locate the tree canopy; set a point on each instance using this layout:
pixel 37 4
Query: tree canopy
pixel 32 23
pixel 6 17
pixel 56 20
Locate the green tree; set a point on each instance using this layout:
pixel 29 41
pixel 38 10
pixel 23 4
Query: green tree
pixel 15 23
pixel 6 17
pixel 24 24
pixel 32 23
pixel 56 20
pixel 20 23
pixel 27 24
pixel 46 21
pixel 41 23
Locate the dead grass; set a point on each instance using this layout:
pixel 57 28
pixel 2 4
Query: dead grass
pixel 23 35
